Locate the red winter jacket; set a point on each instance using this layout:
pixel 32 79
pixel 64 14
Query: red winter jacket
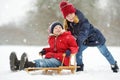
pixel 59 44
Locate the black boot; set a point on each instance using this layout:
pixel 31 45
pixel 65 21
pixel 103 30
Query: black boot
pixel 81 68
pixel 24 63
pixel 115 67
pixel 14 62
pixel 23 60
pixel 29 64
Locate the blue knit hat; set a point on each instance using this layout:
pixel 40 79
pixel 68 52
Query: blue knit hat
pixel 52 26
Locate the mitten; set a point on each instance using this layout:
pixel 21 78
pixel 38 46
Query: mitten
pixel 42 52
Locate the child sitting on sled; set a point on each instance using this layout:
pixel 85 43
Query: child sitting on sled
pixel 59 42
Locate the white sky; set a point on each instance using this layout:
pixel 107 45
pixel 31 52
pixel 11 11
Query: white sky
pixel 14 10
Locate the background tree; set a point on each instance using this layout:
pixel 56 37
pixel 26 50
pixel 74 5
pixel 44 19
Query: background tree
pixel 103 14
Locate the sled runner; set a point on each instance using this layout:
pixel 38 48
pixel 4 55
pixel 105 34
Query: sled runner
pixel 58 69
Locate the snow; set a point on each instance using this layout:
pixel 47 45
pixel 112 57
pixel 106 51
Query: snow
pixel 96 66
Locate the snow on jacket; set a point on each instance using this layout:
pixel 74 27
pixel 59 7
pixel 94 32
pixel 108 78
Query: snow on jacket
pixel 84 32
pixel 58 46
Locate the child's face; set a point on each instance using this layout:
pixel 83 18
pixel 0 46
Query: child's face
pixel 57 30
pixel 70 17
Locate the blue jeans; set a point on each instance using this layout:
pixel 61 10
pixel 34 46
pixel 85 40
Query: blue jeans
pixel 52 62
pixel 102 48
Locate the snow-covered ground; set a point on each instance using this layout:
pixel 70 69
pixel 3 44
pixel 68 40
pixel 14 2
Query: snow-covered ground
pixel 96 66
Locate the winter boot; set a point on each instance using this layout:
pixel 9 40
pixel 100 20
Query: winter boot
pixel 14 62
pixel 23 60
pixel 81 68
pixel 115 67
pixel 24 63
pixel 29 64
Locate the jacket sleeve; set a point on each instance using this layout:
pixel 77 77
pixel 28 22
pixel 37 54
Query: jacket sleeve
pixel 47 49
pixel 84 32
pixel 72 44
pixel 84 26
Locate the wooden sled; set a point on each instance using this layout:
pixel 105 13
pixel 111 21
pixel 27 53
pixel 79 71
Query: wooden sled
pixel 58 69
pixel 43 69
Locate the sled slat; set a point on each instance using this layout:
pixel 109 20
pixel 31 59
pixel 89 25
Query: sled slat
pixel 58 69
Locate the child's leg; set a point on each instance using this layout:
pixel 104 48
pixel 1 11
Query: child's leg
pixel 52 62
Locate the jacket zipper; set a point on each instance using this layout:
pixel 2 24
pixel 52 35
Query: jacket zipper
pixel 55 49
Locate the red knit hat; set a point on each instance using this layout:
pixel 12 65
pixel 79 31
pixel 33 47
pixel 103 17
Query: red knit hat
pixel 66 8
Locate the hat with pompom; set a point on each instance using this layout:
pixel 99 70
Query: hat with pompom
pixel 66 8
pixel 52 26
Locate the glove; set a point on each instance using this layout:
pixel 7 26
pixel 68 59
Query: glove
pixel 68 52
pixel 42 52
pixel 73 59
